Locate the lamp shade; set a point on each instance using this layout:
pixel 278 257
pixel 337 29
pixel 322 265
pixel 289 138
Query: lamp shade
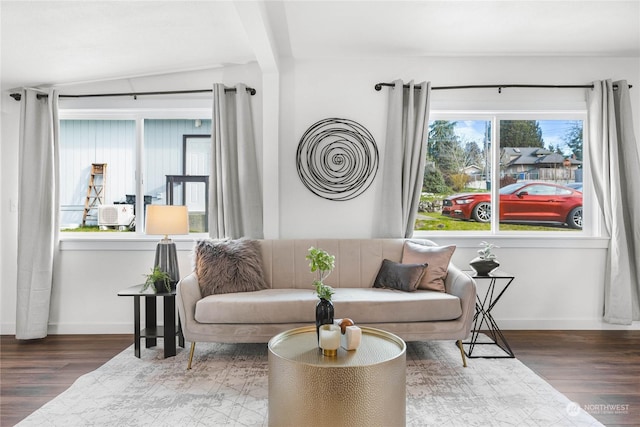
pixel 166 219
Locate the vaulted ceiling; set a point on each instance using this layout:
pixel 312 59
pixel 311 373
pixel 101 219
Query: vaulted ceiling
pixel 60 42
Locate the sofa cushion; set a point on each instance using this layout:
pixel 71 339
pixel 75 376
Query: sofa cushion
pixel 363 305
pixel 403 277
pixel 437 257
pixel 265 306
pixel 225 266
pixel 375 305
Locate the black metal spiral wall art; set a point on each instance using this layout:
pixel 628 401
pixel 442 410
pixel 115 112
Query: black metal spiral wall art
pixel 337 159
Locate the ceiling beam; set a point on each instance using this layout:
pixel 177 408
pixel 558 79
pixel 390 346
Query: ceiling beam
pixel 254 18
pixel 257 26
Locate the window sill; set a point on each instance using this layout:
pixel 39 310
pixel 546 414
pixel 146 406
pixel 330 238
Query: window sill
pixel 122 241
pixel 141 242
pixel 520 240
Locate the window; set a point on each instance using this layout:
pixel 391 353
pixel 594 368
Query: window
pixel 173 150
pixel 170 150
pixel 82 144
pixel 537 165
pixel 457 176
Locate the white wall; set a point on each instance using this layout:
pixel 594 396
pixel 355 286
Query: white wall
pixel 558 285
pixel 84 299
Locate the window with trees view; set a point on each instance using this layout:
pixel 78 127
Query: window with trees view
pixel 532 178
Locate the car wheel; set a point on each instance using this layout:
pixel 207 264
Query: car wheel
pixel 574 220
pixel 482 212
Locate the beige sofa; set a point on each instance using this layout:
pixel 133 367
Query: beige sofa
pixel 290 300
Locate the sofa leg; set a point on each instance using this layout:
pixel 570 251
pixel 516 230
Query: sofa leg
pixel 193 347
pixel 464 359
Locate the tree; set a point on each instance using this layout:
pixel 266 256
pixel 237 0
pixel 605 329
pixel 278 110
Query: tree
pixel 441 132
pixel 520 133
pixel 433 180
pixel 474 155
pixel 452 158
pixel 444 148
pixel 573 139
pixel 555 149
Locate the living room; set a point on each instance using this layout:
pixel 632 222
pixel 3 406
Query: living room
pixel 310 61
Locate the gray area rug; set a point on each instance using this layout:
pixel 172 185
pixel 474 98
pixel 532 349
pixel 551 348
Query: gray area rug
pixel 228 386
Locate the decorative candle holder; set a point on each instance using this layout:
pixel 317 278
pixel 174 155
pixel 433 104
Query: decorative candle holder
pixel 329 340
pixel 351 338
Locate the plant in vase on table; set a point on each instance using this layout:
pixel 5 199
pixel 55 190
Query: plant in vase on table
pixel 486 260
pixel 322 263
pixel 158 280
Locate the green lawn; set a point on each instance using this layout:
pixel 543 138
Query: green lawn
pixel 436 221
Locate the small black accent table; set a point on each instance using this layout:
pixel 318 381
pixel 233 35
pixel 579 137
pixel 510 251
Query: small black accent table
pixel 499 282
pixel 152 332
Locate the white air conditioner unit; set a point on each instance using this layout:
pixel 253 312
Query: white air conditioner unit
pixel 115 215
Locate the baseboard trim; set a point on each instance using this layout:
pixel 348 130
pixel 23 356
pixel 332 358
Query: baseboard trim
pixel 562 324
pixel 91 329
pixel 77 329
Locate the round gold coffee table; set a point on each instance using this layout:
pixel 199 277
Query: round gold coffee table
pixel 364 387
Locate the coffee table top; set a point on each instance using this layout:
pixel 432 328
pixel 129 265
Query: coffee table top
pixel 301 345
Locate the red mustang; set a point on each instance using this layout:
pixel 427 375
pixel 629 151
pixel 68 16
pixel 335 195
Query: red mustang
pixel 521 202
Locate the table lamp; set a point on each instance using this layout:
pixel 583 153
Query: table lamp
pixel 166 219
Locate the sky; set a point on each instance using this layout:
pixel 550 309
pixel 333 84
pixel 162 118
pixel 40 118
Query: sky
pixel 553 131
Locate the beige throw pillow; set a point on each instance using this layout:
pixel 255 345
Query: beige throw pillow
pixel 437 257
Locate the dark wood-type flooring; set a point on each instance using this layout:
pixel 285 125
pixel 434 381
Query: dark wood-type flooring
pixel 599 370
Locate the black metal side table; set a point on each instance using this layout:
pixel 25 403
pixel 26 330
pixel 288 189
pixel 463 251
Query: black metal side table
pixel 499 282
pixel 152 332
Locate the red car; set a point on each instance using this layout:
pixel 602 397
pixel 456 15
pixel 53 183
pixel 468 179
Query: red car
pixel 521 202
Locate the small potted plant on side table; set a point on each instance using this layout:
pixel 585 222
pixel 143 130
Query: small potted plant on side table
pixel 486 261
pixel 322 263
pixel 158 280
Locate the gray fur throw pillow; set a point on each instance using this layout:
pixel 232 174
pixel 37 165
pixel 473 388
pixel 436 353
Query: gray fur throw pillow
pixel 226 266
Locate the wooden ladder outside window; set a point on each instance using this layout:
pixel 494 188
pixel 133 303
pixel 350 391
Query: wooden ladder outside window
pixel 95 192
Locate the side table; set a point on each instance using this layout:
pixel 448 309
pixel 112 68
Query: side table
pixel 152 332
pixel 499 282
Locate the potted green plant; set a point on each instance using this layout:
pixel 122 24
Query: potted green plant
pixel 486 260
pixel 158 279
pixel 322 263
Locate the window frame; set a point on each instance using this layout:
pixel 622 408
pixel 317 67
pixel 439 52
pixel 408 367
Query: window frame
pixel 592 215
pixel 99 240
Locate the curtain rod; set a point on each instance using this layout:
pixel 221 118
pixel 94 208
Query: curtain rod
pixel 378 86
pixel 18 96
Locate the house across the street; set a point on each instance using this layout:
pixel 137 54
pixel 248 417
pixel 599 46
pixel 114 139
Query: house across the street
pixel 535 163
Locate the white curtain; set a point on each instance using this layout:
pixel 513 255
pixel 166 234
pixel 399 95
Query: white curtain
pixel 235 193
pixel 38 212
pixel 404 157
pixel 614 157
